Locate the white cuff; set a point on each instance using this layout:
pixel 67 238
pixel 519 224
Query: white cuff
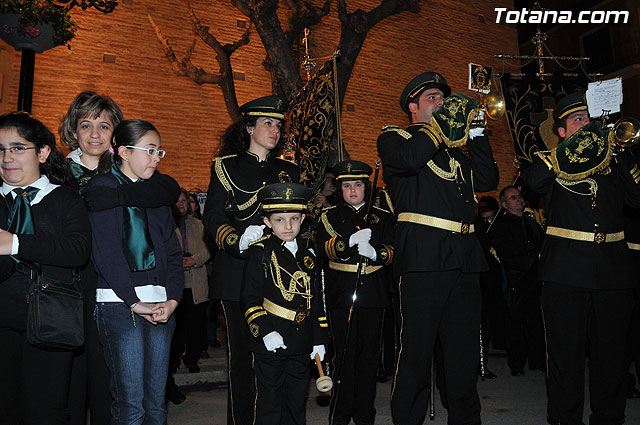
pixel 15 245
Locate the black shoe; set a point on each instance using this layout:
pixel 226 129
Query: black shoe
pixel 633 393
pixel 194 368
pixel 174 395
pixel 517 372
pixel 204 354
pixel 214 343
pixel 489 375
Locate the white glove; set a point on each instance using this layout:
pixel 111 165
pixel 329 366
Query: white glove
pixel 273 341
pixel 320 350
pixel 250 234
pixel 475 132
pixel 366 250
pixel 363 235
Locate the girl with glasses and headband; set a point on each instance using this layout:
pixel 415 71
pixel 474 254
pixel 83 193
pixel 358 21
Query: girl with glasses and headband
pixel 138 260
pixel 87 130
pixel 47 229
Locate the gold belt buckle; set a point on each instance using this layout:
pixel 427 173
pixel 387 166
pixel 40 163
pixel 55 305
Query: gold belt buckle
pixel 300 316
pixel 599 237
pixel 464 229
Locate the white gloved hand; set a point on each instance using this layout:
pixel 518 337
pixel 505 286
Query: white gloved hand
pixel 475 132
pixel 320 350
pixel 250 234
pixel 363 235
pixel 367 250
pixel 273 341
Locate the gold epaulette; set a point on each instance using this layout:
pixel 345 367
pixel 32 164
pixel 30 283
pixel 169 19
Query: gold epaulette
pixel 224 157
pixel 327 226
pixel 287 160
pixel 545 156
pixel 257 241
pixel 405 134
pixel 381 209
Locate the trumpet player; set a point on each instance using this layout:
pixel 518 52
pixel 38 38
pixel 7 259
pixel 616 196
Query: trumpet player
pixel 437 257
pixel 585 265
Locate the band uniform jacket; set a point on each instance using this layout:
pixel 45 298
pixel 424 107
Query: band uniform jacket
pixel 337 224
pixel 517 248
pixel 585 264
pixel 235 181
pixel 430 179
pixel 277 284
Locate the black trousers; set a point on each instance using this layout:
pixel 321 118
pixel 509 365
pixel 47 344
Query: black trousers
pixel 89 374
pixel 577 318
pixel 525 331
pixel 282 388
pixel 190 336
pixel 241 396
pixel 443 305
pixel 357 391
pixel 34 383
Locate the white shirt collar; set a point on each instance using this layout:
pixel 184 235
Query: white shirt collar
pixel 42 183
pixel 292 246
pixel 76 156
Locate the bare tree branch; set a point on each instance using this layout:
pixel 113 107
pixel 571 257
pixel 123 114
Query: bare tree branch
pixel 184 68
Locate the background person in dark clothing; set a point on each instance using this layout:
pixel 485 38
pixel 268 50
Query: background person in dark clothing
pixel 517 239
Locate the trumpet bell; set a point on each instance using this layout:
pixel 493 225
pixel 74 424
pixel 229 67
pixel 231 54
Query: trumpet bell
pixel 324 384
pixel 495 105
pixel 626 132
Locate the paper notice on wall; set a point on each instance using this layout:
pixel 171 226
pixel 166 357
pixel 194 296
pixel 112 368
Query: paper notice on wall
pixel 604 97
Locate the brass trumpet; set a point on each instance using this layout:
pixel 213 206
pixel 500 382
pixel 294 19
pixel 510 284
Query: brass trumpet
pixel 493 107
pixel 625 132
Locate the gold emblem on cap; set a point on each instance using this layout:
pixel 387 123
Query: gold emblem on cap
pixel 349 167
pixel 340 246
pixel 288 193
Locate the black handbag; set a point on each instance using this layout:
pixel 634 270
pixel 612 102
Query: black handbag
pixel 55 313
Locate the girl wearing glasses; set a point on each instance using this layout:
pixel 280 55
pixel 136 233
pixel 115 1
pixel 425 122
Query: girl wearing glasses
pixel 248 161
pixel 138 260
pixel 34 382
pixel 87 130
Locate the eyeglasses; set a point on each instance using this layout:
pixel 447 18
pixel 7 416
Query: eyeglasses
pixel 150 151
pixel 18 150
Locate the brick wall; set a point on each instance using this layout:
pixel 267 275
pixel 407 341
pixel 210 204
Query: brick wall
pixel 444 37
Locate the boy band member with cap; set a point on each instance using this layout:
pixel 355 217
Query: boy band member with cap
pixel 344 235
pixel 248 161
pixel 282 305
pixel 585 265
pixel 438 259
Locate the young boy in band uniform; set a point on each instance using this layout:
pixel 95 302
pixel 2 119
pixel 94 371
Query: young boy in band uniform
pixel 282 305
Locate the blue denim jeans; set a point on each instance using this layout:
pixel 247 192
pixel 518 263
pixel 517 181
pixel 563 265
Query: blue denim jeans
pixel 137 355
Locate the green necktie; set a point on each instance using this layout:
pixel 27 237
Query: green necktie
pixel 20 220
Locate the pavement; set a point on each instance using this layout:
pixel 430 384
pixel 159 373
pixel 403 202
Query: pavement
pixel 506 400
